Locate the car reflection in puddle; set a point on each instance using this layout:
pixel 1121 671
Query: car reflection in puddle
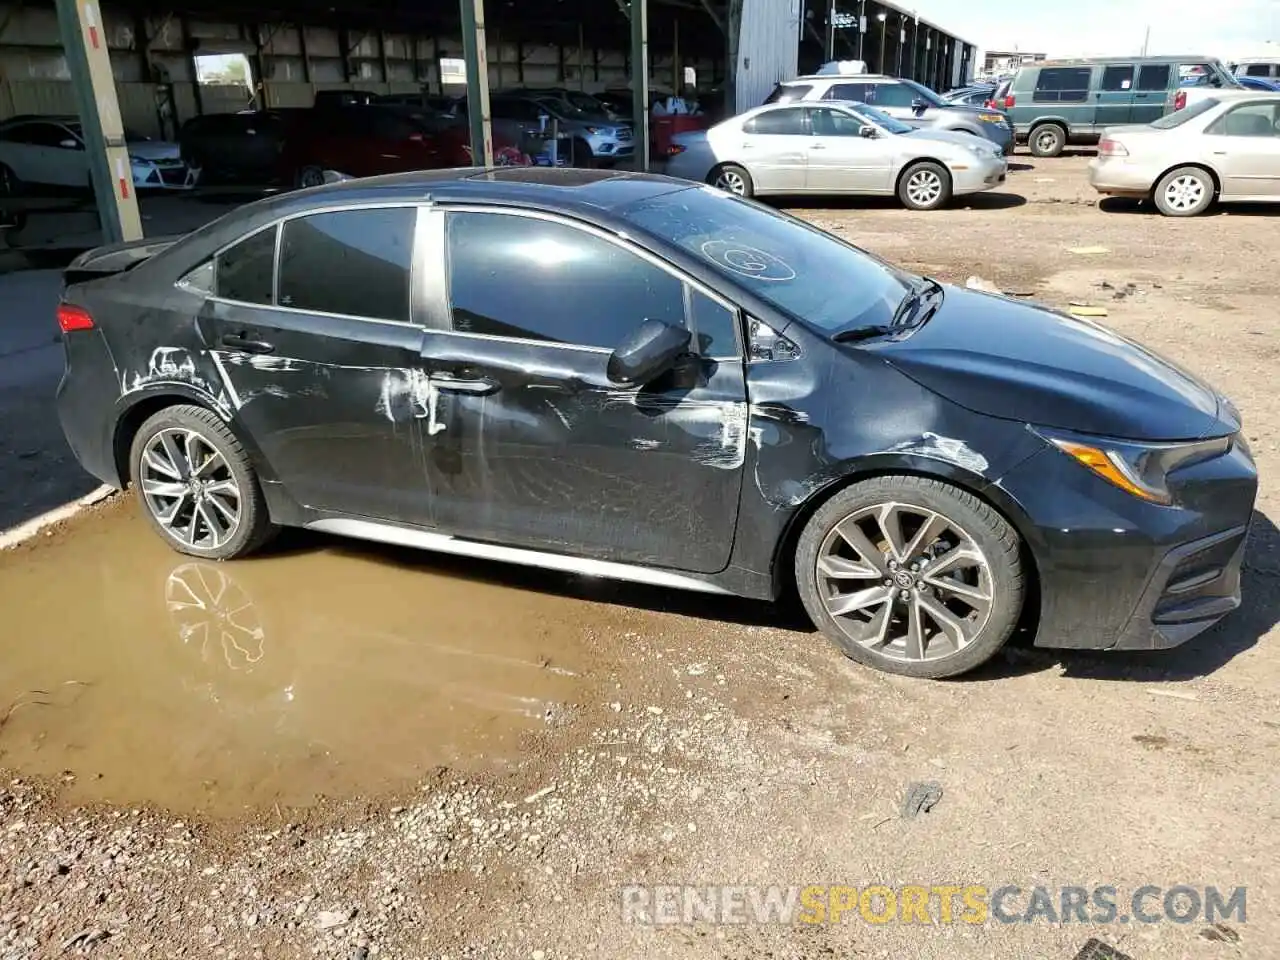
pixel 220 687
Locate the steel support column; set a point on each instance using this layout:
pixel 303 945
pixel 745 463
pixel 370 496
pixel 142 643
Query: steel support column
pixel 640 80
pixel 475 51
pixel 85 43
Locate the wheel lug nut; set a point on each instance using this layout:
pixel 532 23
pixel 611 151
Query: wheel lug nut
pixel 888 583
pixel 905 594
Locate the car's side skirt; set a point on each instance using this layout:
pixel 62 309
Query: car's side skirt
pixel 443 543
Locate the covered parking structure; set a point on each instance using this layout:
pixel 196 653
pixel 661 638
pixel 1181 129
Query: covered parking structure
pixel 142 64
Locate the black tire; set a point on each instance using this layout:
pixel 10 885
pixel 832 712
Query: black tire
pixel 1047 140
pixel 732 178
pixel 1184 192
pixel 986 529
pixel 936 174
pixel 254 528
pixel 309 176
pixel 10 185
pixel 582 155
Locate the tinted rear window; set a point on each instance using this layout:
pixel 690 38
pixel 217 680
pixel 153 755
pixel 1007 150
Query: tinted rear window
pixel 777 123
pixel 1063 85
pixel 788 93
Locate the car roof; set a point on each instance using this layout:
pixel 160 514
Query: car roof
pixel 1071 61
pixel 838 77
pixel 1224 95
pixel 40 118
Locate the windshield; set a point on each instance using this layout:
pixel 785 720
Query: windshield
pixel 806 273
pixel 882 119
pixel 561 108
pixel 1179 117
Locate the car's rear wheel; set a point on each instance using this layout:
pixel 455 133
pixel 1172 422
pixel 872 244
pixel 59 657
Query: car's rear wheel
pixel 196 485
pixel 1184 192
pixel 732 178
pixel 311 176
pixel 911 575
pixel 1047 140
pixel 10 185
pixel 924 186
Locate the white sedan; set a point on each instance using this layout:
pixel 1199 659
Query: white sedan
pixel 836 147
pixel 49 152
pixel 1225 146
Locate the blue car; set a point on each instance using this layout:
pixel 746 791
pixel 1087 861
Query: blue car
pixel 1258 83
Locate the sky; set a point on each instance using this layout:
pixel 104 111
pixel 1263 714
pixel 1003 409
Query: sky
pixel 1223 28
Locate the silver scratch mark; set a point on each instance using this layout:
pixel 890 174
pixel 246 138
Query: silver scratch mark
pixel 943 448
pixel 643 443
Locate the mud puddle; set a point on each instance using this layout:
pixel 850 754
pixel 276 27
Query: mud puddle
pixel 136 675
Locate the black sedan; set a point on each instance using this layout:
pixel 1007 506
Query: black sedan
pixel 637 377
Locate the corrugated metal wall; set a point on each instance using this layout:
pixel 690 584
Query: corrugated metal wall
pixel 768 48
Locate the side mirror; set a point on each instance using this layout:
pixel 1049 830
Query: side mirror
pixel 919 106
pixel 868 131
pixel 650 350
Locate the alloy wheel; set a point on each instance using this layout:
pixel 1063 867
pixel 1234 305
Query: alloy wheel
pixel 190 489
pixel 905 582
pixel 214 613
pixel 732 182
pixel 924 187
pixel 1184 193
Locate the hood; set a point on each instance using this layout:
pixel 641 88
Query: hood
pixel 154 150
pixel 1016 361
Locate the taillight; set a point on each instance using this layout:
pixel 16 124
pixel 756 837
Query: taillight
pixel 1111 148
pixel 1180 100
pixel 674 149
pixel 73 318
pixel 1010 101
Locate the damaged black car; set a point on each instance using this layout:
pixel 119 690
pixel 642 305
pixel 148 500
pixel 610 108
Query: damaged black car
pixel 636 377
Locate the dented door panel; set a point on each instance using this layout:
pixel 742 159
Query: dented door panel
pixel 330 401
pixel 530 444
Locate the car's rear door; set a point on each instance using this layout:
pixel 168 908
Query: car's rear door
pixel 775 150
pixel 318 358
pixel 841 160
pixel 1114 96
pixel 529 442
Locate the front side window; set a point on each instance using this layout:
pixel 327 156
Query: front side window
pixel 350 262
pixel 847 91
pixel 777 123
pixel 1063 85
pixel 893 95
pixel 245 271
pixel 39 134
pixel 1258 70
pixel 535 279
pixel 834 123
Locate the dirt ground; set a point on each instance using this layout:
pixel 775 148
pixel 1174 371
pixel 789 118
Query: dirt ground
pixel 501 753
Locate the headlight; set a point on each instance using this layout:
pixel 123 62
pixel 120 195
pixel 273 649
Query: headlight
pixel 594 130
pixel 1141 469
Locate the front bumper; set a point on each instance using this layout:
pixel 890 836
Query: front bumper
pixel 1120 176
pixel 603 148
pixel 980 174
pixel 162 175
pixel 1119 573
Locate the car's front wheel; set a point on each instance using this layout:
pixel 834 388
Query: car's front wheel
pixel 911 575
pixel 196 485
pixel 924 186
pixel 732 178
pixel 1184 192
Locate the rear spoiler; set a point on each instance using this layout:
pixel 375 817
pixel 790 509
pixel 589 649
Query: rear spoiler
pixel 114 258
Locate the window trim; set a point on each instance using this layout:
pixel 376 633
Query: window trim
pixel 278 225
pixel 617 240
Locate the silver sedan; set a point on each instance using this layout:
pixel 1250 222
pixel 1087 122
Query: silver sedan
pixel 1225 146
pixel 836 148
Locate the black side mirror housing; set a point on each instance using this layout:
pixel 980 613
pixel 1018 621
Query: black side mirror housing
pixel 646 353
pixel 919 106
pixel 868 131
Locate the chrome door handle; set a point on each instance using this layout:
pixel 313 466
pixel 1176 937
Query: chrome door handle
pixel 478 387
pixel 246 343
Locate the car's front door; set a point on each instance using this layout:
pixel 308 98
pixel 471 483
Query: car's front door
pixel 531 444
pixel 841 159
pixel 46 153
pixel 1152 92
pixel 1114 97
pixel 775 150
pixel 319 359
pixel 1244 146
